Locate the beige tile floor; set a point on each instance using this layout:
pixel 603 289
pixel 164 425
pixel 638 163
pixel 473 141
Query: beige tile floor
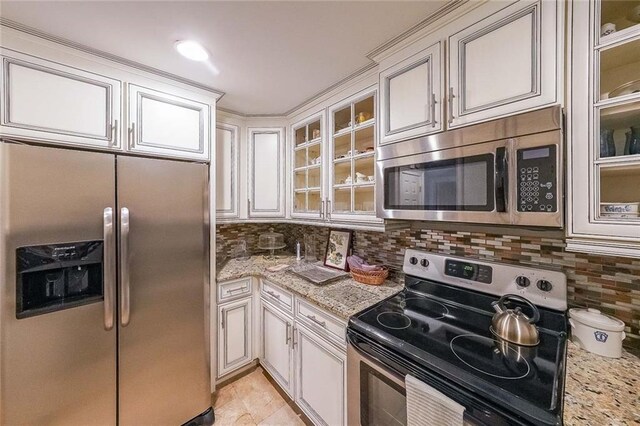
pixel 252 400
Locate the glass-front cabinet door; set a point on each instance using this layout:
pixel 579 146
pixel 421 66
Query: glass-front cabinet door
pixel 605 130
pixel 616 114
pixel 352 125
pixel 307 178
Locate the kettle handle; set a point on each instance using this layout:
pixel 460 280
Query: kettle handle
pixel 536 313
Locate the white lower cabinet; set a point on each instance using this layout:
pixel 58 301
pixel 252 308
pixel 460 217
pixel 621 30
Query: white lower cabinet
pixel 277 348
pixel 300 345
pixel 320 378
pixel 303 355
pixel 234 335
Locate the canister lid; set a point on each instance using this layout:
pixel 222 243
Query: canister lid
pixel 595 318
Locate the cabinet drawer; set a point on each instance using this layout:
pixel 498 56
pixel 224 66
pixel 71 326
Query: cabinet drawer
pixel 321 321
pixel 277 296
pixel 231 290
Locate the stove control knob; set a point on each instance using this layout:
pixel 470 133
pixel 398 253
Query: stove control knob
pixel 424 263
pixel 544 285
pixel 413 260
pixel 523 281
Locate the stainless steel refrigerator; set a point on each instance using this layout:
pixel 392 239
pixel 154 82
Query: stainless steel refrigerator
pixel 104 295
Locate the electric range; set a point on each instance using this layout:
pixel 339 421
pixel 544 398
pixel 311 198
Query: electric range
pixel 438 330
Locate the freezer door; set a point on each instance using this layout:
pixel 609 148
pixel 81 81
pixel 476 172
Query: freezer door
pixel 58 366
pixel 163 343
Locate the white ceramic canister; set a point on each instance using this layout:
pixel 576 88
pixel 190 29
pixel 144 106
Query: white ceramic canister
pixel 597 332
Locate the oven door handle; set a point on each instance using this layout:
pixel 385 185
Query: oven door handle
pixel 376 363
pixel 501 184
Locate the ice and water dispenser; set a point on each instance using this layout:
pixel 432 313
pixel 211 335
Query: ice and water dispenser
pixel 57 276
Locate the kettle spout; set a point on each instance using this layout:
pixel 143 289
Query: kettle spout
pixel 497 306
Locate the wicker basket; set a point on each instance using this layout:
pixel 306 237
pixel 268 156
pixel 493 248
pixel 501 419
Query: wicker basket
pixel 371 278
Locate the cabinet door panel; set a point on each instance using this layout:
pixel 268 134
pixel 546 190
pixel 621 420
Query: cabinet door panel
pixel 492 75
pixel 165 124
pixel 411 94
pixel 320 382
pixel 227 157
pixel 276 347
pixel 51 102
pixel 234 336
pixel 505 63
pixel 266 172
pixel 409 97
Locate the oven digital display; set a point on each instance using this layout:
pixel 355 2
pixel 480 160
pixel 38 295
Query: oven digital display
pixel 468 271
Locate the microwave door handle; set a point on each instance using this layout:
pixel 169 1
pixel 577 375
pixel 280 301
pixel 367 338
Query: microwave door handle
pixel 501 179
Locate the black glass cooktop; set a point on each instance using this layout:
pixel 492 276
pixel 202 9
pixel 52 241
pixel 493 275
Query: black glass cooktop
pixel 446 330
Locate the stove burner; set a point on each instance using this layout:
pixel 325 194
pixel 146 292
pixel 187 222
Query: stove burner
pixel 394 320
pixel 430 308
pixel 481 354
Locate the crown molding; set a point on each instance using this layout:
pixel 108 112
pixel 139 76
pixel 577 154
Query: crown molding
pixel 444 10
pixel 438 14
pixel 104 55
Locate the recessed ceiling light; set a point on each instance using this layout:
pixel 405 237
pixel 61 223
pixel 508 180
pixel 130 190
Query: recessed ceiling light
pixel 192 50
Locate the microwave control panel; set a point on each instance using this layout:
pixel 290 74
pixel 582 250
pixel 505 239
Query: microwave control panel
pixel 537 179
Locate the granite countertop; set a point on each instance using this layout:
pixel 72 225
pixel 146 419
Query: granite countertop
pixel 342 298
pixel 601 391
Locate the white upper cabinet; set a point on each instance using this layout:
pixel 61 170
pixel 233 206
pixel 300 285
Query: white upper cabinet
pixel 604 137
pixel 49 102
pixel 351 159
pixel 167 124
pixel 307 180
pixel 505 63
pixel 57 94
pixel 266 172
pixel 227 158
pixel 410 96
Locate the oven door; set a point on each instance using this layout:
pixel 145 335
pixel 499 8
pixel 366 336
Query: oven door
pixel 375 394
pixel 376 391
pixel 466 184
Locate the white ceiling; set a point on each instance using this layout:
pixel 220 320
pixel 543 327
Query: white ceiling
pixel 271 55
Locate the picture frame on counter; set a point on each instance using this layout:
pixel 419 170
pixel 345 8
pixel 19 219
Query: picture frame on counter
pixel 339 245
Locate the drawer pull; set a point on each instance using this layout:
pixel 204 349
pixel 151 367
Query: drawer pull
pixel 272 294
pixel 233 290
pixel 317 321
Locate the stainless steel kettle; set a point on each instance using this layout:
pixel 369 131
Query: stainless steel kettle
pixel 513 325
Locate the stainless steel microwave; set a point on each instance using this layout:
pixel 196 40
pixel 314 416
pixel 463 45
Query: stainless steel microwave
pixel 506 172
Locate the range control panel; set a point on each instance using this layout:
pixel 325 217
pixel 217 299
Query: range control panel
pixel 468 270
pixel 537 179
pixel 542 287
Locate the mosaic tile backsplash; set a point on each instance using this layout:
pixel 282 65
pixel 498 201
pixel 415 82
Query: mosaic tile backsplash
pixel 611 284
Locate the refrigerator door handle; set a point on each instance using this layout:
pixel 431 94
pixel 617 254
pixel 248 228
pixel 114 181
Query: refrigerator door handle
pixel 124 267
pixel 109 268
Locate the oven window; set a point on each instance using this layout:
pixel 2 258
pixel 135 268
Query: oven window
pixel 382 402
pixel 461 184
